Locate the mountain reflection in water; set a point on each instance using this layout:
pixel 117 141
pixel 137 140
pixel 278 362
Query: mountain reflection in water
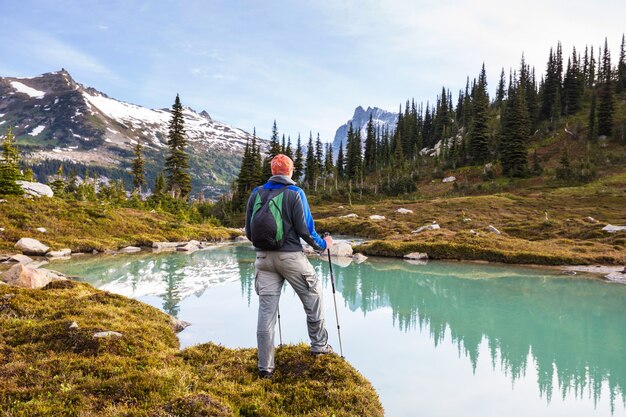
pixel 570 329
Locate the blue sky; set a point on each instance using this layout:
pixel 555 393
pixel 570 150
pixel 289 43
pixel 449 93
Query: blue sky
pixel 307 64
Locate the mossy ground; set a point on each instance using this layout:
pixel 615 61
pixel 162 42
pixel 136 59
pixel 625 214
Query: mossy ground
pixel 540 223
pixel 85 226
pixel 48 368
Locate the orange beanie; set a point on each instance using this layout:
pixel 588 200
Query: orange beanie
pixel 281 165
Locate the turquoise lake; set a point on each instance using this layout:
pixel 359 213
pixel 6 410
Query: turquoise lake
pixel 435 339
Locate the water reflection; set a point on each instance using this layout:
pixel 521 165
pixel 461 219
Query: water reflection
pixel 571 330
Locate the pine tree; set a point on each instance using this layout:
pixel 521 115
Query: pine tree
pixel 319 160
pixel 298 163
pixel 288 150
pixel 341 172
pixel 592 134
pixel 564 170
pixel 621 68
pixel 10 166
pixel 274 150
pixel 177 161
pixel 370 147
pixel 58 184
pixel 514 133
pixel 310 170
pixel 139 178
pixel 479 129
pixel 159 185
pixel 606 105
pixel 500 91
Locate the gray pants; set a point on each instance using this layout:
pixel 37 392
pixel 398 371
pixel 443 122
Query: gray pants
pixel 272 269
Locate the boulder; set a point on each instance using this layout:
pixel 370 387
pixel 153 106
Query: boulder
pixel 179 325
pixel 107 333
pixel 191 246
pixel 63 253
pixel 30 246
pixel 4 257
pixel 404 211
pixel 27 277
pixel 350 216
pixel 612 229
pixel 433 226
pixel 416 256
pixel 341 249
pixel 130 249
pixel 35 189
pixel 23 259
pixel 165 245
pixel 449 179
pixel 494 230
pixel 616 277
pixel 359 258
pixel 377 217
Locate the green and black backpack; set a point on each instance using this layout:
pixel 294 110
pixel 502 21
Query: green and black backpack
pixel 266 223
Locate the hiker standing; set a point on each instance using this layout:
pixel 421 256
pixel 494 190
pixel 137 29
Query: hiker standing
pixel 277 216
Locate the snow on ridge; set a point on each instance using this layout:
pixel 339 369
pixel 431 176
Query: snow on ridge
pixel 23 88
pixel 37 130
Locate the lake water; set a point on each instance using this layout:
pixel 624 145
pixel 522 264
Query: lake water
pixel 440 339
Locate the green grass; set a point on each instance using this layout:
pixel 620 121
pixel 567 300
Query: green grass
pixel 85 226
pixel 48 368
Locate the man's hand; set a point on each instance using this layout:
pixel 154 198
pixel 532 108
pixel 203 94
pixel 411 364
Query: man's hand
pixel 329 241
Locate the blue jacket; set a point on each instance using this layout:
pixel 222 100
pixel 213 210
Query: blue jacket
pixel 297 219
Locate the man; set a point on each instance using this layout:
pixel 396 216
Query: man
pixel 288 262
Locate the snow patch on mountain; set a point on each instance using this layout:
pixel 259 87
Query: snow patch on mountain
pixel 23 88
pixel 37 130
pixel 380 118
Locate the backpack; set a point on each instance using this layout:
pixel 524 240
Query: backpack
pixel 266 222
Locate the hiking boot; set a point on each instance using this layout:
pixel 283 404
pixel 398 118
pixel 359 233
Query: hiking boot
pixel 323 351
pixel 265 374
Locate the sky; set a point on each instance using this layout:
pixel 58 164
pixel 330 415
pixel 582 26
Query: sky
pixel 305 64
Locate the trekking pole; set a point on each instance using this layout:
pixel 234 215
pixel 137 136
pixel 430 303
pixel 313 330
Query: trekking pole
pixel 332 281
pixel 280 332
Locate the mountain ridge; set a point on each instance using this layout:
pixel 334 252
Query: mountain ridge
pixel 57 121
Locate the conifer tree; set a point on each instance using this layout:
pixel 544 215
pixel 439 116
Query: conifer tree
pixel 621 67
pixel 606 106
pixel 500 91
pixel 370 147
pixel 341 173
pixel 159 185
pixel 592 134
pixel 319 159
pixel 514 133
pixel 58 184
pixel 479 129
pixel 139 178
pixel 177 161
pixel 10 166
pixel 288 149
pixel 274 150
pixel 298 163
pixel 310 170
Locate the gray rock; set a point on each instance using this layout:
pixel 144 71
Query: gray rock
pixel 108 333
pixel 359 258
pixel 165 245
pixel 404 211
pixel 62 253
pixel 36 189
pixel 41 230
pixel 377 217
pixel 37 264
pixel 449 179
pixel 350 216
pixel 191 246
pixel 73 325
pixel 416 256
pixel 23 259
pixel 616 277
pixel 591 219
pixel 27 277
pixel 612 229
pixel 30 246
pixel 340 249
pixel 4 257
pixel 130 249
pixel 494 230
pixel 433 226
pixel 179 325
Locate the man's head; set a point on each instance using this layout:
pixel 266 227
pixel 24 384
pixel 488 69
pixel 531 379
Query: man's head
pixel 282 165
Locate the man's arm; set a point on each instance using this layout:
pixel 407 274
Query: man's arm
pixel 304 224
